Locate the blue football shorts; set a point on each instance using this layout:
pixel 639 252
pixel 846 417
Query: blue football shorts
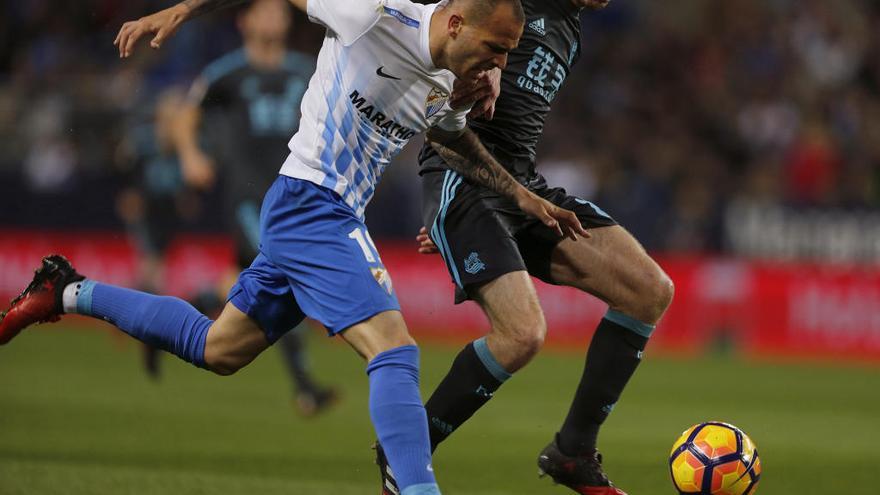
pixel 316 259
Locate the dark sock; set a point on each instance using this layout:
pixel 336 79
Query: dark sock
pixel 613 357
pixel 292 350
pixel 475 375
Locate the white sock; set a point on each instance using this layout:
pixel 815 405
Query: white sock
pixel 68 298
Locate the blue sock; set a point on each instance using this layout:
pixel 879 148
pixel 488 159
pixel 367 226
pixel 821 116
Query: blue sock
pixel 400 420
pixel 164 322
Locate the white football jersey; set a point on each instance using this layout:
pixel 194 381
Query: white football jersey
pixel 375 87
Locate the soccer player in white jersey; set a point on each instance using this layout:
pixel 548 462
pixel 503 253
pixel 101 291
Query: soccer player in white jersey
pixel 384 74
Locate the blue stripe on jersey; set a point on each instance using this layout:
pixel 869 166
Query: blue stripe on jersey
pixel 400 16
pixel 331 128
pixel 376 169
pixel 329 135
pixel 368 173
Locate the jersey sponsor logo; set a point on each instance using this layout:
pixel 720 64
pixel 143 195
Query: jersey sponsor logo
pixel 473 265
pixel 386 75
pixel 544 74
pixel 400 16
pixel 538 26
pixel 435 101
pixel 384 124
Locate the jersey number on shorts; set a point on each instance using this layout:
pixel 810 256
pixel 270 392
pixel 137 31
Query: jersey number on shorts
pixel 365 242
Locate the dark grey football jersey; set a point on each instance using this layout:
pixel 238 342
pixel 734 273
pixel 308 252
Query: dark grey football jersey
pixel 536 70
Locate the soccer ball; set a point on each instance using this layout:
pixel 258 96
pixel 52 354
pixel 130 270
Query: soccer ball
pixel 715 459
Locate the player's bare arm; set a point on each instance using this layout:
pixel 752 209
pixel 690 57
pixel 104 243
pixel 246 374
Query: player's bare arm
pixel 163 24
pixel 465 154
pixel 197 167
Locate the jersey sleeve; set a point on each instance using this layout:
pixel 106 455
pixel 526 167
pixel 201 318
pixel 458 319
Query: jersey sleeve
pixel 455 120
pixel 347 19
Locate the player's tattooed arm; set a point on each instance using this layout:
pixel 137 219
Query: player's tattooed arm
pixel 464 153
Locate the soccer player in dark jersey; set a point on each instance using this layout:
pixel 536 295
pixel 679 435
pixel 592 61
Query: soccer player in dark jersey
pixel 491 249
pixel 246 106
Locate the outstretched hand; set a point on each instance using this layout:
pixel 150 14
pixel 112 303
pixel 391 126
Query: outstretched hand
pixel 565 222
pixel 162 25
pixel 426 245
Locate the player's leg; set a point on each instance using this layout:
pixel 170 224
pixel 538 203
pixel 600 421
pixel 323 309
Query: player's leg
pixel 395 402
pixel 309 397
pixel 516 334
pixel 167 323
pixel 614 267
pixel 484 262
pixel 338 278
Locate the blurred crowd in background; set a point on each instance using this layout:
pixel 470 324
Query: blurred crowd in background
pixel 749 127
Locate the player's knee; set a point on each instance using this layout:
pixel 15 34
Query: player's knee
pixel 222 363
pixel 656 295
pixel 524 337
pixel 529 345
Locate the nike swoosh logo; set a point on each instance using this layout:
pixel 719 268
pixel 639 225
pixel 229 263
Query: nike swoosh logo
pixel 385 74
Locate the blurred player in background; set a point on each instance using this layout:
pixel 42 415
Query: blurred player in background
pixel 155 201
pixel 245 107
pixel 491 249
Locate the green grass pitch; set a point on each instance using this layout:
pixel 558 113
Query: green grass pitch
pixel 77 416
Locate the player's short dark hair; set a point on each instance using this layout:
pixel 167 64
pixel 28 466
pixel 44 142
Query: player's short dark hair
pixel 484 8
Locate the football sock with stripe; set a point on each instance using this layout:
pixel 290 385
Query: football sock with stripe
pixel 163 322
pixel 614 354
pixel 474 377
pixel 399 419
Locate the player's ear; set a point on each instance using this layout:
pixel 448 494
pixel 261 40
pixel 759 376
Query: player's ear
pixel 454 25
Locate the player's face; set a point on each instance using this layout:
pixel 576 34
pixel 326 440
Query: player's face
pixel 478 47
pixel 267 20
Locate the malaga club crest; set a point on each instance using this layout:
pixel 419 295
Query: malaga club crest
pixel 382 278
pixel 435 101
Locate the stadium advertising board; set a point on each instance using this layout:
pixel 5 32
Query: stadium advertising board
pixel 761 308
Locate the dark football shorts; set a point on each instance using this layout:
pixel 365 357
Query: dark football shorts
pixel 482 235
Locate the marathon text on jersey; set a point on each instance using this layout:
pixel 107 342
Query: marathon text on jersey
pixel 383 123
